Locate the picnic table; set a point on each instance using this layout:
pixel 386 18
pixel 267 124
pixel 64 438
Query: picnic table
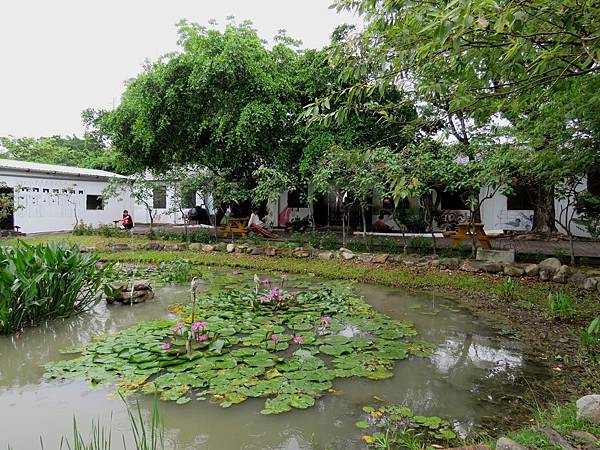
pixel 465 232
pixel 236 226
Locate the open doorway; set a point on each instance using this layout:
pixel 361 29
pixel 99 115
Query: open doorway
pixel 7 222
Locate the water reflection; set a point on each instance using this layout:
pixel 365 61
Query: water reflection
pixel 469 364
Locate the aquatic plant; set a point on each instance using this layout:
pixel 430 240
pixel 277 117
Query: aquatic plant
pixel 393 426
pixel 43 282
pixel 507 289
pixel 246 350
pixel 176 272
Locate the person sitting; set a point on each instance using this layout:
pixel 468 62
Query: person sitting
pixel 255 219
pixel 380 224
pixel 126 222
pixel 258 225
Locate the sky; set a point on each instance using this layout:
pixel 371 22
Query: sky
pixel 59 57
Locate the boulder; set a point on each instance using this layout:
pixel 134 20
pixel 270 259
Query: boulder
pixel 450 263
pixel 492 267
pixel 119 247
pixel 471 266
pixel 117 286
pixel 588 408
pixel 585 437
pixel 195 246
pixel 380 259
pixel 142 285
pixel 411 260
pixel 365 257
pixel 208 248
pixel 497 256
pixel 326 256
pixel 396 258
pixel 532 270
pixel 258 251
pixel 562 275
pixel 270 251
pixel 300 252
pixel 590 284
pixel 230 248
pixel 347 255
pixel 513 271
pixel 577 278
pixel 171 247
pixel 153 246
pixel 505 443
pixel 548 268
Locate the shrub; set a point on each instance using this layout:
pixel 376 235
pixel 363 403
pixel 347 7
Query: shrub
pixel 329 241
pixel 359 244
pixel 201 236
pixel 420 245
pixel 313 239
pixel 390 245
pixel 43 282
pixel 560 304
pixel 591 336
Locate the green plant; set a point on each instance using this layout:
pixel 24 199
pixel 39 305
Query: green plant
pixel 300 238
pixel 313 239
pixel 44 282
pixel 590 337
pixel 359 244
pixel 391 245
pixel 202 236
pixel 329 241
pixel 420 245
pixel 561 305
pixel 507 289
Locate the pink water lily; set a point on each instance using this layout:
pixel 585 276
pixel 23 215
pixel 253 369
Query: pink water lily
pixel 294 294
pixel 197 326
pixel 166 345
pixel 203 338
pixel 298 340
pixel 275 338
pixel 284 277
pixel 266 281
pixel 264 299
pixel 178 326
pixel 325 320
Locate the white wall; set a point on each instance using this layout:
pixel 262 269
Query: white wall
pixel 45 207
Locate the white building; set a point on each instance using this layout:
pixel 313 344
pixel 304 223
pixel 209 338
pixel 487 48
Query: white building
pixel 49 197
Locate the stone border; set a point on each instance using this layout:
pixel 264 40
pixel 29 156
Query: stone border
pixel 550 269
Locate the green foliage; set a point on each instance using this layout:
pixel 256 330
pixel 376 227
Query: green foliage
pixel 44 282
pixel 420 245
pixel 286 349
pixel 390 245
pixel 81 229
pixel 507 290
pixel 67 151
pixel 180 271
pixel 7 204
pixel 395 427
pixel 561 305
pixel 588 207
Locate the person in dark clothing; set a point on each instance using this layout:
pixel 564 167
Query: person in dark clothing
pixel 126 221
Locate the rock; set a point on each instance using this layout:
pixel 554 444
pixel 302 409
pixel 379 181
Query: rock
pixel 577 278
pixel 532 270
pixel 119 247
pixel 513 271
pixel 548 268
pixel 347 255
pixel 585 437
pixel 258 251
pixel 590 284
pixel 117 286
pixel 153 246
pixel 492 267
pixel 380 259
pixel 471 266
pixel 87 249
pixel 562 275
pixel 555 438
pixel 505 443
pixel 434 263
pixel 470 447
pixel 270 251
pixel 588 407
pixel 365 257
pixel 300 252
pixel 411 260
pixel 497 256
pixel 326 256
pixel 396 258
pixel 195 246
pixel 208 248
pixel 142 286
pixel 230 248
pixel 450 263
pixel 171 247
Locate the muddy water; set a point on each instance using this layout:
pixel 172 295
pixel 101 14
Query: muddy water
pixel 464 380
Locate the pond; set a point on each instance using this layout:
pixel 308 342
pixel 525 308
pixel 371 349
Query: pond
pixel 469 377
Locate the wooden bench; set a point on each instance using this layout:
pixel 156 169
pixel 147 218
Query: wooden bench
pixel 236 226
pixel 465 233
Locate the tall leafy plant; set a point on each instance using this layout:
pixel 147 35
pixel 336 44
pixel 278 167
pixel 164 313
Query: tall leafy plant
pixel 45 282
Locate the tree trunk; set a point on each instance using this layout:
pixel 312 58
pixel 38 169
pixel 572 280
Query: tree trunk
pixel 544 213
pixel 364 223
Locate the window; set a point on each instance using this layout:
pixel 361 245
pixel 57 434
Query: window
pixel 296 199
pixel 93 202
pixel 80 192
pixel 46 191
pixel 189 199
pixel 593 180
pixel 55 191
pixel 453 200
pixel 519 200
pixel 159 197
pixel 36 189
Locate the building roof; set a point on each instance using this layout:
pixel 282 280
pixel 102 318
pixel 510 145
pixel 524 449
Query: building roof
pixel 53 169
